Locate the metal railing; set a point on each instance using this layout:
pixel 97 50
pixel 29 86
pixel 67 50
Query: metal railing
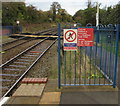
pixel 8 30
pixel 94 65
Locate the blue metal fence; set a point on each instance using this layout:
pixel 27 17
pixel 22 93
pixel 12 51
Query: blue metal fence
pixel 96 65
pixel 8 30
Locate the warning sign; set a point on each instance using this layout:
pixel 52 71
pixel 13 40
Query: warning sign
pixel 70 39
pixel 85 37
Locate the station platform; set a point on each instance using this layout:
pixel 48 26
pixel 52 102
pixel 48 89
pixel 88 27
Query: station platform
pixel 47 93
pixel 31 91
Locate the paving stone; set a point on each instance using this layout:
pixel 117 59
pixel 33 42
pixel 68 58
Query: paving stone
pixel 29 90
pixel 23 100
pixel 50 98
pixel 96 97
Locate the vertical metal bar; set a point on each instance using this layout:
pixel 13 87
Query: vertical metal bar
pixel 85 68
pixel 101 54
pixel 59 72
pixel 114 47
pixel 105 58
pixel 97 36
pixel 90 65
pixel 75 69
pixel 110 55
pixel 100 50
pixel 70 69
pixel 64 67
pixel 80 75
pixel 20 29
pixel 116 56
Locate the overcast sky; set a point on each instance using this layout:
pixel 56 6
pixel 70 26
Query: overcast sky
pixel 71 6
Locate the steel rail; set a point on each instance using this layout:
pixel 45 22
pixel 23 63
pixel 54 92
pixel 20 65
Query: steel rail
pixel 26 37
pixel 12 41
pixel 17 45
pixel 2 65
pixel 27 70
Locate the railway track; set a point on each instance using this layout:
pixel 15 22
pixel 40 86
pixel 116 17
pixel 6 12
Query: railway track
pixel 22 40
pixel 11 41
pixel 16 44
pixel 11 49
pixel 15 69
pixel 10 53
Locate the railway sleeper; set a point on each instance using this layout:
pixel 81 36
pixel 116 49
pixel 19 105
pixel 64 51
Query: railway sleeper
pixel 34 53
pixel 4 87
pixel 13 75
pixel 5 80
pixel 26 57
pixel 12 69
pixel 31 55
pixel 25 60
pixel 19 66
pixel 21 62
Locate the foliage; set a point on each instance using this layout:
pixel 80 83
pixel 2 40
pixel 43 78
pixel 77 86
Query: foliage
pixel 55 7
pixel 109 15
pixel 13 11
pixel 86 16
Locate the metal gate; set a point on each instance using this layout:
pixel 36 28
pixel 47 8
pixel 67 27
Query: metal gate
pixel 95 65
pixel 8 30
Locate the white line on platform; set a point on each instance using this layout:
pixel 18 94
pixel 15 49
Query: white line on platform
pixel 5 99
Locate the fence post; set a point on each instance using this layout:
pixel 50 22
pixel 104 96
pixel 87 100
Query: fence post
pixel 116 55
pixel 59 79
pixel 20 29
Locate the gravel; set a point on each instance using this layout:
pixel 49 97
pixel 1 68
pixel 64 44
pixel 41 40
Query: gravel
pixel 46 66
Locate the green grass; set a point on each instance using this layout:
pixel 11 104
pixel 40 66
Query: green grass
pixel 86 72
pixel 31 28
pixel 109 46
pixel 111 49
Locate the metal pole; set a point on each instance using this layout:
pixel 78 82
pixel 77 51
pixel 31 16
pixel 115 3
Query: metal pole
pixel 116 56
pixel 59 79
pixel 97 15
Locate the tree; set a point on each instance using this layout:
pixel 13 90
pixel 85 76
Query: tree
pixel 89 4
pixel 86 16
pixel 55 7
pixel 11 12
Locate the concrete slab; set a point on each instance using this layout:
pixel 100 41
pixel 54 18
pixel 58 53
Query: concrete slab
pixel 23 100
pixel 96 97
pixel 88 88
pixel 29 90
pixel 51 86
pixel 50 98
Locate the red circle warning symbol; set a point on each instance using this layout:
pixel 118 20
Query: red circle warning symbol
pixel 70 36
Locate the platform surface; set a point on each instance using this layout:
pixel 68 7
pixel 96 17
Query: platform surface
pixel 23 100
pixel 96 97
pixel 50 98
pixel 29 90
